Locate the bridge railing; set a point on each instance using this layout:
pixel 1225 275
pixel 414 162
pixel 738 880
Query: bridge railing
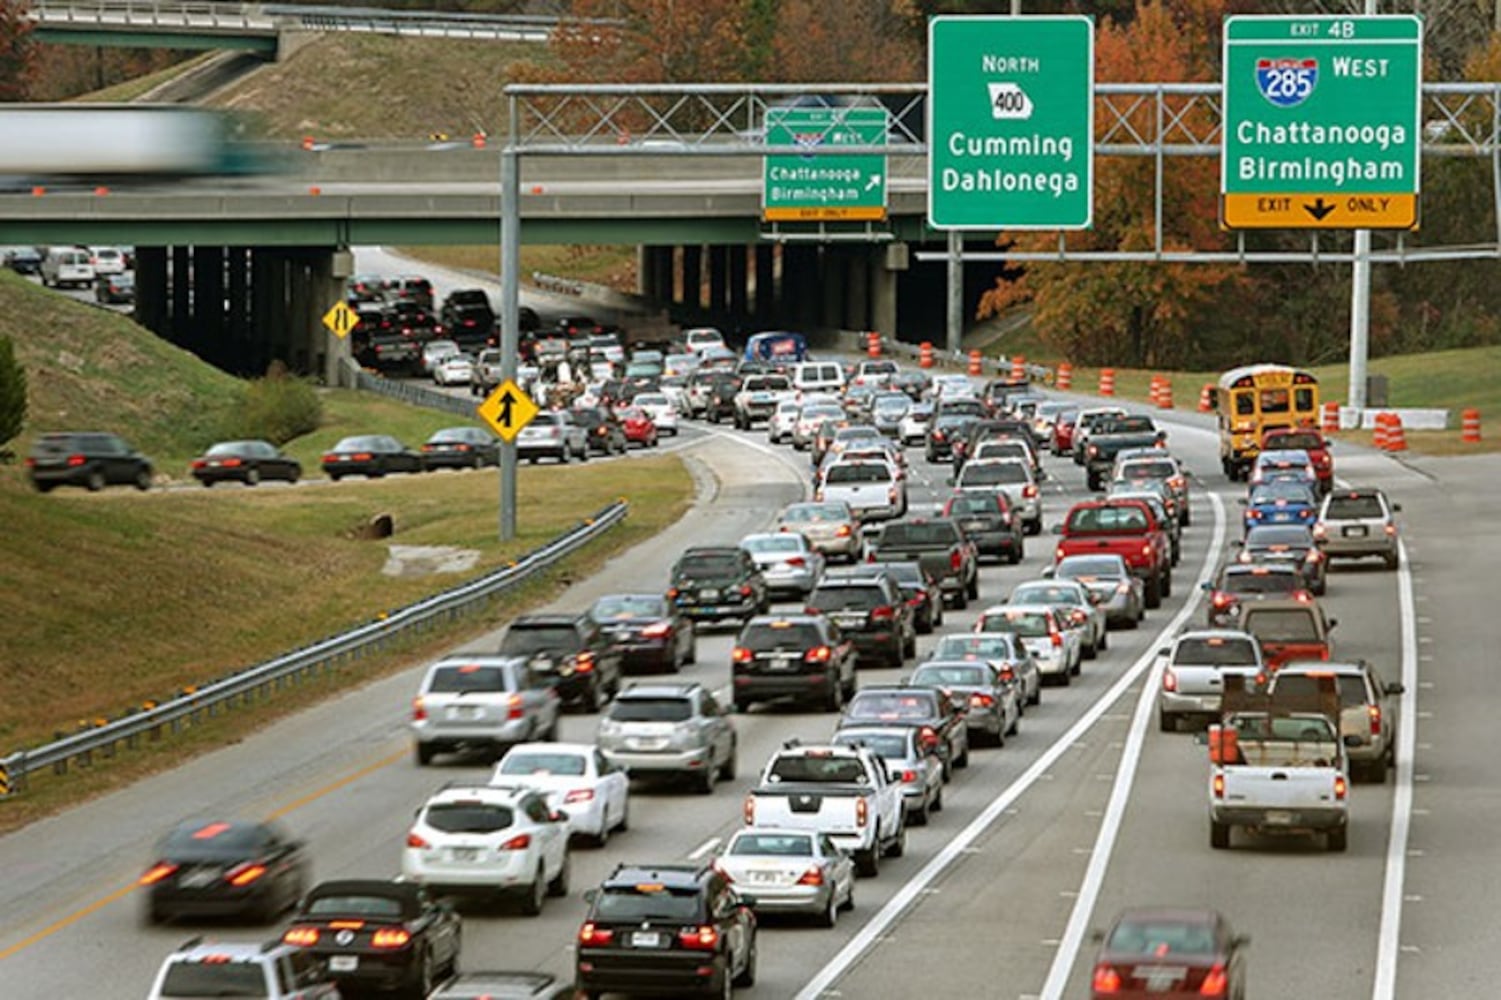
pixel 153 13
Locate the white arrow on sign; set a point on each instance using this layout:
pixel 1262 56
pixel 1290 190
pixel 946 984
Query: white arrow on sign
pixel 1009 102
pixel 873 182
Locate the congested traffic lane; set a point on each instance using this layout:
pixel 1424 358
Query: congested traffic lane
pixel 342 778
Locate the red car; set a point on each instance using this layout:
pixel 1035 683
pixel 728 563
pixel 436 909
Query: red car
pixel 638 427
pixel 1160 953
pixel 1063 432
pixel 1310 440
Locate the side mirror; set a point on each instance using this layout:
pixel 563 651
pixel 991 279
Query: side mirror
pixel 1047 572
pixel 1162 435
pixel 949 481
pixel 1395 687
pixel 590 895
pixel 1397 508
pixel 1164 651
pixel 1353 740
pixel 1206 586
pixel 1238 544
pixel 1056 529
pixel 1243 502
pixel 1333 622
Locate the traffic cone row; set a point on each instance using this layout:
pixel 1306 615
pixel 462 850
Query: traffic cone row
pixel 1065 378
pixel 925 355
pixel 873 344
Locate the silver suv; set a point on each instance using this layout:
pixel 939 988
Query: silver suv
pixel 273 970
pixel 1358 522
pixel 491 702
pixel 669 729
pixel 1367 716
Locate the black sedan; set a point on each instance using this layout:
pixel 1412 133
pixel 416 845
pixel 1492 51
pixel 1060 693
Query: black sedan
pixel 461 448
pixel 924 595
pixel 116 289
pixel 603 430
pixel 247 462
pixel 1286 545
pixel 218 868
pixel 370 455
pixel 648 630
pixel 374 934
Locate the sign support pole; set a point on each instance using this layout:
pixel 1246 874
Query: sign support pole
pixel 954 316
pixel 510 304
pixel 1360 306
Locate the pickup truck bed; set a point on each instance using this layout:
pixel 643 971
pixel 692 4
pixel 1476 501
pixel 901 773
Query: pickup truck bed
pixel 1287 775
pixel 946 556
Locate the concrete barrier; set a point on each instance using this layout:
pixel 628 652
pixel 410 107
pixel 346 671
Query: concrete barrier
pixel 1412 419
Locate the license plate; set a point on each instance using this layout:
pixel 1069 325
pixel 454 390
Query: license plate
pixel 646 939
pixel 343 963
pixel 1160 978
pixel 1354 531
pixel 465 712
pixel 708 595
pixel 974 525
pixel 465 853
pixel 763 877
pixel 781 663
pixel 647 744
pixel 1278 817
pixel 198 878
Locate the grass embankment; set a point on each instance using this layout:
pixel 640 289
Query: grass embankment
pixel 613 267
pixel 130 90
pixel 118 598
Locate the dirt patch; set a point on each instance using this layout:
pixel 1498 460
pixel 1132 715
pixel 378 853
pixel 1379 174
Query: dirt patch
pixel 428 560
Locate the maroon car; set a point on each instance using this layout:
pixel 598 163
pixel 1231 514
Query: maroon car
pixel 1161 953
pixel 1063 432
pixel 638 427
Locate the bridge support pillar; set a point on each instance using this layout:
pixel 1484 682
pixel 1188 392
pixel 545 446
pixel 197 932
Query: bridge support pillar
pixel 205 333
pixel 834 278
pixel 799 286
pixel 857 290
pixel 266 290
pixel 182 292
pixel 238 332
pixel 719 280
pixel 766 282
pixel 151 289
pixel 693 277
pixel 884 264
pixel 739 278
pixel 651 267
pixel 325 288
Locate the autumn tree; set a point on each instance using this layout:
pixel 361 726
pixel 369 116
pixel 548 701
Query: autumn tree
pixel 1143 313
pixel 854 41
pixel 17 51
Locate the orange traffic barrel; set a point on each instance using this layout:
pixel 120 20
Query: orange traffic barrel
pixel 1470 426
pixel 1165 394
pixel 1224 745
pixel 1065 376
pixel 1330 422
pixel 478 142
pixel 1206 397
pixel 925 355
pixel 873 344
pixel 1155 391
pixel 975 366
pixel 1396 439
pixel 307 142
pixel 1107 381
pixel 1018 368
pixel 1378 434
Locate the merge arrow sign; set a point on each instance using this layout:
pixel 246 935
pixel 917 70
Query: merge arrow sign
pixel 507 410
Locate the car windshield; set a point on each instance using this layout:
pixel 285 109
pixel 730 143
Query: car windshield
pixel 543 762
pixel 193 841
pixel 887 745
pixel 993 473
pixel 803 513
pixel 1215 651
pixel 1269 582
pixel 468 817
pixel 214 978
pixel 1046 593
pixel 1278 534
pixel 467 677
pixel 943 676
pixel 855 598
pixel 905 574
pixel 1291 625
pixel 899 706
pixel 817 767
pixel 765 637
pixel 1350 507
pixel 708 564
pixel 630 906
pixel 1272 492
pixel 1027 624
pixel 524 640
pixel 863 472
pixel 923 534
pixel 636 709
pixel 787 543
pixel 961 647
pixel 630 606
pixel 782 845
pixel 1126 519
pixel 1077 567
pixel 1161 939
pixel 234 448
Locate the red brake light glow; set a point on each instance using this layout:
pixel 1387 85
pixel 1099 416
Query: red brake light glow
pixel 520 842
pixel 819 654
pixel 1106 979
pixel 741 655
pixel 158 872
pixel 413 840
pixel 1215 982
pixel 302 937
pixel 390 937
pixel 813 876
pixel 704 937
pixel 243 875
pixel 592 934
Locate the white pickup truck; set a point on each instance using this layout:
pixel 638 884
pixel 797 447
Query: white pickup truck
pixel 1277 766
pixel 870 488
pixel 1193 679
pixel 841 791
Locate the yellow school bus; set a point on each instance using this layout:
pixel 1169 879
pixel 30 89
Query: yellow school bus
pixel 1254 399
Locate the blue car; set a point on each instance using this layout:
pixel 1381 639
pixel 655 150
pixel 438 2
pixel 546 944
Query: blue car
pixel 1281 502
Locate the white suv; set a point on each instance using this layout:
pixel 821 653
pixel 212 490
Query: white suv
pixel 273 970
pixel 489 839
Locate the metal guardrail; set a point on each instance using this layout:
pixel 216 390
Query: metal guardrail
pixel 257 683
pixel 408 392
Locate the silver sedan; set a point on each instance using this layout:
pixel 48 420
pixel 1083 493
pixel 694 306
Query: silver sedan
pixel 1005 653
pixel 789 871
pixel 1075 608
pixel 992 705
pixel 787 560
pixel 1111 585
pixel 830 527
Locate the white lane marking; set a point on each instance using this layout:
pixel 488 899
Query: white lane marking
pixel 1387 943
pixel 767 449
pixel 707 847
pixel 1125 777
pixel 909 893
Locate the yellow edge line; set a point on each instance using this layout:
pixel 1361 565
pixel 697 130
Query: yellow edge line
pixel 120 893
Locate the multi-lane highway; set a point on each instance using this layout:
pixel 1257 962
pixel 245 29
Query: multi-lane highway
pixel 1089 810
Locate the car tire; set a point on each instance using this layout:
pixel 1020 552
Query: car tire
pixel 834 700
pixel 536 890
pixel 830 915
pixel 94 482
pixel 1016 724
pixel 333 477
pixel 706 779
pixel 960 601
pixel 424 754
pixel 1065 678
pixel 1219 835
pixel 1391 560
pixel 919 816
pixel 252 477
pixel 601 837
pixel 925 623
pixel 142 480
pixel 563 455
pixel 868 863
pixel 747 975
pixel 558 887
pixel 962 761
pixel 1091 651
pixel 742 705
pixel 899 845
pixel 624 823
pixel 1154 592
pixel 1103 643
pixel 1036 698
pixel 422 983
pixel 1167 583
pixel 972 589
pixel 1337 839
pixel 1166 723
pixel 727 770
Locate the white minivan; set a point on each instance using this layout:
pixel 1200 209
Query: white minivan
pixel 818 376
pixel 67 266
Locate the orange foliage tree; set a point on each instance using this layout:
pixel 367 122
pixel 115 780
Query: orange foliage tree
pixel 17 53
pixel 1138 313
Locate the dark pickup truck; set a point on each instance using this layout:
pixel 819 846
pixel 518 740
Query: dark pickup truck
pixel 945 553
pixel 1126 528
pixel 1112 437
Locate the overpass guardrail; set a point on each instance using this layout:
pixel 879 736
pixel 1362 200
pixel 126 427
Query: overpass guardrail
pixel 257 683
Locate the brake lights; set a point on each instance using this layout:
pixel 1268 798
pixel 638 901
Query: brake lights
pixel 1216 981
pixel 657 630
pixel 1218 786
pixel 520 842
pixel 819 654
pixel 1341 787
pixel 704 937
pixel 390 937
pixel 242 875
pixel 158 872
pixel 1169 680
pixel 741 655
pixel 301 937
pixel 1375 713
pixel 1106 979
pixel 748 811
pixel 813 876
pixel 862 812
pixel 579 795
pixel 415 840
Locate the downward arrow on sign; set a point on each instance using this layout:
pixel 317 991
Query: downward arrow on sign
pixel 1318 209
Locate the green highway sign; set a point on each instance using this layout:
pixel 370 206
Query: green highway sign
pixel 803 187
pixel 1322 122
pixel 1010 122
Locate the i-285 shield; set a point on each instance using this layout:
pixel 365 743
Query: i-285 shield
pixel 1286 82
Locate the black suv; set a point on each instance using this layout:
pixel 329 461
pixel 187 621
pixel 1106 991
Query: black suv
pixel 717 582
pixel 91 460
pixel 922 592
pixel 468 318
pixel 677 929
pixel 601 429
pixel 571 652
pixel 871 610
pixel 719 404
pixel 943 431
pixel 804 657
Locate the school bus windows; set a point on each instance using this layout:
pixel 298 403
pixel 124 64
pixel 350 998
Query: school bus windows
pixel 1274 401
pixel 1304 397
pixel 1245 404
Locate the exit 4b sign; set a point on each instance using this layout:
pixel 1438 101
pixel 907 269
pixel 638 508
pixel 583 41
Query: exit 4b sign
pixel 1322 123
